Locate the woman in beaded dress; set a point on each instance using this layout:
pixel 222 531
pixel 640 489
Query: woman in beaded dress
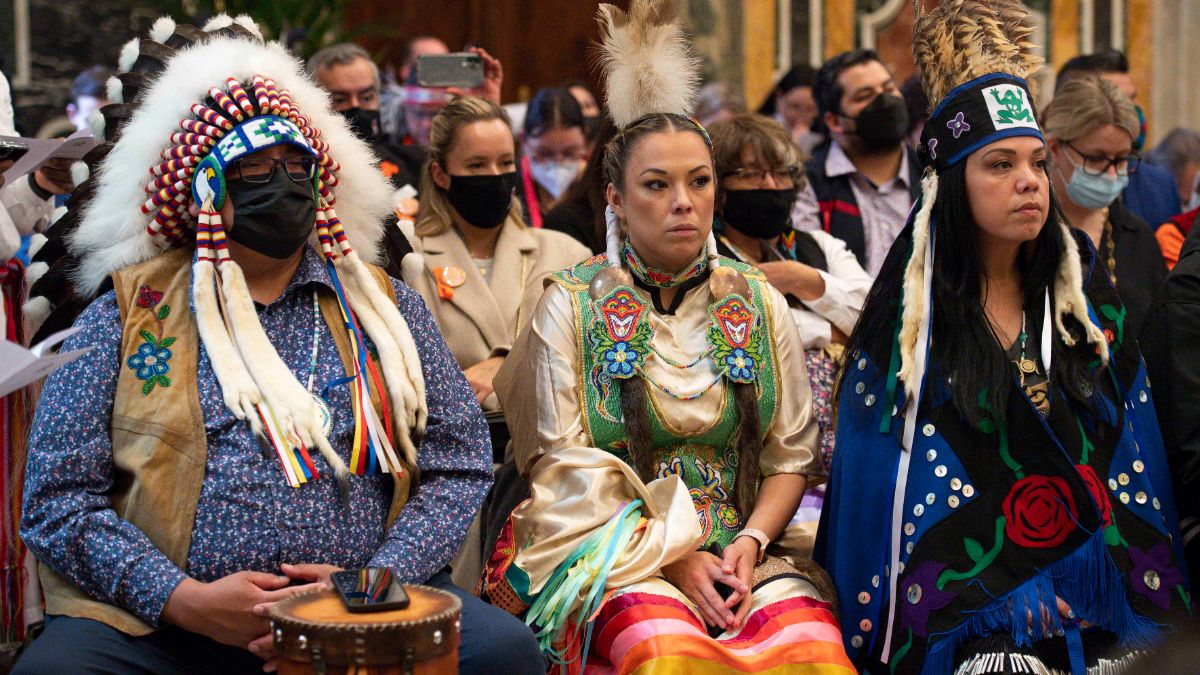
pixel 660 411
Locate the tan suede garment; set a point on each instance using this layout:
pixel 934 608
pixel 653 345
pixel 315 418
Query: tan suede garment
pixel 158 439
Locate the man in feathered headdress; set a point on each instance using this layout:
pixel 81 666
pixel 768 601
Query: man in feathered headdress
pixel 248 418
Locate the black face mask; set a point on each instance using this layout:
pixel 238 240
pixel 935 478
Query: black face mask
pixel 762 214
pixel 364 123
pixel 482 201
pixel 272 218
pixel 881 125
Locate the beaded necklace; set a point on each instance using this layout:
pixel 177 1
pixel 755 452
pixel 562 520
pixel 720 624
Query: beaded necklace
pixel 326 415
pixel 657 277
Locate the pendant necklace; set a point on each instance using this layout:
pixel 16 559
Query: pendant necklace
pixel 1038 393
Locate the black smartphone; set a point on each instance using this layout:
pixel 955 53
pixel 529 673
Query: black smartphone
pixel 370 589
pixel 460 69
pixel 12 150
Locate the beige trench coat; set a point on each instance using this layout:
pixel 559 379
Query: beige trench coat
pixel 482 318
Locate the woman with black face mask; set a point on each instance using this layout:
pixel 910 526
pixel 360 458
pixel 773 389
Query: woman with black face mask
pixel 759 169
pixel 482 268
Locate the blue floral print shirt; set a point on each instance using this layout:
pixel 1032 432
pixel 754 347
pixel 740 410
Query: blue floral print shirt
pixel 248 517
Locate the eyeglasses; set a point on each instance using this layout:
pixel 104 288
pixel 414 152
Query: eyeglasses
pixel 262 169
pixel 786 177
pixel 1099 165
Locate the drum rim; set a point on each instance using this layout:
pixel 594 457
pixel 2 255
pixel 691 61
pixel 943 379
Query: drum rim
pixel 279 607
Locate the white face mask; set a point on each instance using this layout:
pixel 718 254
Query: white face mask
pixel 555 177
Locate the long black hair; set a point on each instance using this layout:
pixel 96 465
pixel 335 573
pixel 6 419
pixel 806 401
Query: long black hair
pixel 963 348
pixel 551 108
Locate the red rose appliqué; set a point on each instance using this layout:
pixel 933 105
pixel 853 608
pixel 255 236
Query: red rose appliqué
pixel 1039 512
pixel 1096 487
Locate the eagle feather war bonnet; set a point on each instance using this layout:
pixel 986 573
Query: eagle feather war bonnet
pixel 188 102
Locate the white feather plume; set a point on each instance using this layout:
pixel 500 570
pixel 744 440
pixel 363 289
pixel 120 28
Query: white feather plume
pixel 35 272
pixel 412 266
pixel 113 89
pixel 38 240
pixel 79 173
pixel 96 123
pixel 647 61
pixel 35 313
pixel 217 23
pixel 246 22
pixel 162 29
pixel 129 54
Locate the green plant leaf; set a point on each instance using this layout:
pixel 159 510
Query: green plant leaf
pixel 148 387
pixel 1112 536
pixel 1109 312
pixel 162 381
pixel 164 312
pixel 974 549
pixel 987 426
pixel 148 337
pixel 167 342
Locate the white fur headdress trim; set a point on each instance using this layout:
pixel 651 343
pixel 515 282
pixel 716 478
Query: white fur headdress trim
pixel 914 284
pixel 647 60
pixel 1069 299
pixel 113 232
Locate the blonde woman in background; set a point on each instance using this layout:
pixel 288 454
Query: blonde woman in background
pixel 1090 126
pixel 483 268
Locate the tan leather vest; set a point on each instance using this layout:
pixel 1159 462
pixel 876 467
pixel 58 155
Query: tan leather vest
pixel 158 436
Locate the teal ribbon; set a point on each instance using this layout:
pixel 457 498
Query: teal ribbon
pixel 590 563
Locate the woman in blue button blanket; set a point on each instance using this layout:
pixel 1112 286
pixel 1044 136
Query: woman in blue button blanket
pixel 1018 517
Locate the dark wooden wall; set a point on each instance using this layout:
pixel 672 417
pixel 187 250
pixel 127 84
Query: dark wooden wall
pixel 540 42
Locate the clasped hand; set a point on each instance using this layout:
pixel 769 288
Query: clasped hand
pixel 697 573
pixel 233 610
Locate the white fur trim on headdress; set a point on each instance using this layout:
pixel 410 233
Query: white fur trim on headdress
pixel 1069 299
pixel 914 284
pixel 163 29
pixel 279 387
pixel 113 232
pixel 648 63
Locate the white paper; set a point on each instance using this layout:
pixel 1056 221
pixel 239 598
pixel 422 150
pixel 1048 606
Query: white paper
pixel 20 366
pixel 73 147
